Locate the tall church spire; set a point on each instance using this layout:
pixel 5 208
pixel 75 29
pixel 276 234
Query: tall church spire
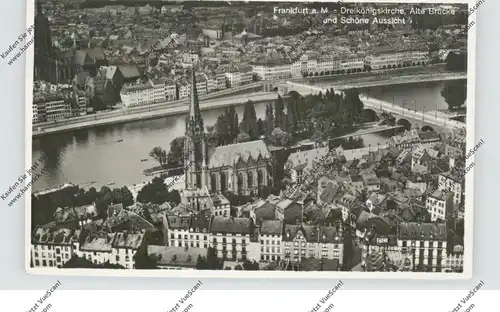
pixel 194 124
pixel 195 145
pixel 194 106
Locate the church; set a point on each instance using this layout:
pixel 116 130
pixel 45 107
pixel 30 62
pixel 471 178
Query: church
pixel 240 168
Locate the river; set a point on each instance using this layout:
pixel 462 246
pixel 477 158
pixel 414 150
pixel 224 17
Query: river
pixel 97 156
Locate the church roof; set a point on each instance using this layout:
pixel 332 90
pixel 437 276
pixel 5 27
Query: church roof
pixel 228 155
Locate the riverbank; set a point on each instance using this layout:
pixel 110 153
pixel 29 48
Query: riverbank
pixel 124 117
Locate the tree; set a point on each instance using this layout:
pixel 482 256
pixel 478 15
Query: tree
pixel 249 122
pixel 154 192
pixel 280 138
pixel 201 263
pixel 227 127
pixel 142 260
pixel 212 136
pixel 456 61
pixel 269 120
pixel 260 127
pixel 212 262
pixel 250 266
pixel 242 137
pixel 318 136
pixel 355 104
pixel 455 93
pixel 279 113
pixel 174 197
pixel 176 152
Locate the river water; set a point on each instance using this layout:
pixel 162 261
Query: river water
pixel 97 156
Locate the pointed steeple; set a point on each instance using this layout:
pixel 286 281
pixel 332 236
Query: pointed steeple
pixel 194 106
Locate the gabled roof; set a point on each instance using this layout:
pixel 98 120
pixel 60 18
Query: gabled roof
pixel 229 155
pixel 129 71
pixel 231 225
pixel 271 227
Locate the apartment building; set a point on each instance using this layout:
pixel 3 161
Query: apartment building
pixel 381 248
pixel 440 205
pixel 51 106
pixel 448 182
pixel 233 77
pixel 187 231
pixel 81 103
pixel 211 83
pixel 303 241
pixel 272 70
pixel 220 79
pixel 52 248
pixel 35 113
pixel 201 84
pixel 184 89
pixel 246 75
pixel 170 91
pixel 231 238
pixel 426 243
pixel 138 95
pixel 388 57
pixel 159 94
pixel 455 259
pixel 271 240
pixel 352 63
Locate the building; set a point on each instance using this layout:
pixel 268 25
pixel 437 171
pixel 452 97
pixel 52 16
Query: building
pixel 455 259
pixel 186 231
pixel 406 140
pixel 241 168
pixel 272 69
pixel 271 232
pixel 176 258
pixel 231 238
pixel 52 248
pixel 183 89
pixel 137 95
pixel 170 91
pixel 35 113
pixel 440 205
pixel 246 74
pixel 303 241
pixel 212 33
pixel 51 106
pixel 115 248
pixel 124 246
pixel 420 160
pixel 81 102
pixel 233 77
pixel 352 63
pixel 449 182
pixel 426 242
pixel 159 94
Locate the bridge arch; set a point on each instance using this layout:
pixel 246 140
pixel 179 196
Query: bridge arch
pixel 369 115
pixel 294 94
pixel 405 123
pixel 427 129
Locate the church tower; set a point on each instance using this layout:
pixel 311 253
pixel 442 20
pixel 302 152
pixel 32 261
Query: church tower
pixel 44 65
pixel 195 144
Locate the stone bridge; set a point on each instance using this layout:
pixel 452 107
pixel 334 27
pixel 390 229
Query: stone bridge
pixel 424 121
